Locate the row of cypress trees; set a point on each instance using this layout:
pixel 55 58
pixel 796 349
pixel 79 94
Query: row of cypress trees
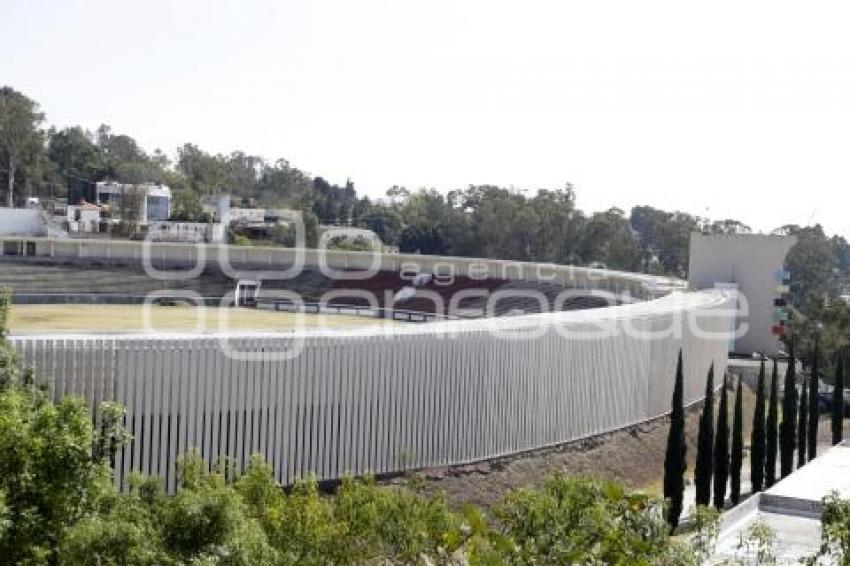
pixel 769 437
pixel 800 418
pixel 767 432
pixel 714 459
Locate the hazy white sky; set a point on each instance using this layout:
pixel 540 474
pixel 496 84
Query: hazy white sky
pixel 727 109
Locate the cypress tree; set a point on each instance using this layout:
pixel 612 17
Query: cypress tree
pixel 705 445
pixel 737 458
pixel 788 428
pixel 721 448
pixel 814 402
pixel 802 421
pixel 838 400
pixel 757 439
pixel 675 463
pixel 772 435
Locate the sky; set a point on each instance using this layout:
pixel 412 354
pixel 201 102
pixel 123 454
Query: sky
pixel 722 109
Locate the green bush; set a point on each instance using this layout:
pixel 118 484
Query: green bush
pixel 575 520
pixel 47 472
pixel 835 530
pixel 123 531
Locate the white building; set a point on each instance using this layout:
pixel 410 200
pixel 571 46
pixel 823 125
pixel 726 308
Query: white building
pixel 22 222
pixel 83 217
pixel 154 200
pixel 752 264
pixel 186 232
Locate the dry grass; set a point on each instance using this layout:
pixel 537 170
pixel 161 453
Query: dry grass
pixel 133 318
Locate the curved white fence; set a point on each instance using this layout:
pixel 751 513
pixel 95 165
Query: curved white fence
pixel 389 399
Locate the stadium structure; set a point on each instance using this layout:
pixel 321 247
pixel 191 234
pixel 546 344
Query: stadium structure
pixel 478 358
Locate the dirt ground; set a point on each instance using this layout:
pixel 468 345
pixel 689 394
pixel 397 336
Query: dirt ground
pixel 633 456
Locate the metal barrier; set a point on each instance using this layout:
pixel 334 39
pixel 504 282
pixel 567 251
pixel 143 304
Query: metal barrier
pixel 315 306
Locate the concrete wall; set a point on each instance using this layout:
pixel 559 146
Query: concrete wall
pixel 22 222
pixel 749 261
pixel 390 399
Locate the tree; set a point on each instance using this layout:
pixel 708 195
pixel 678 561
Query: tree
pixel 665 236
pixel 385 222
pixel 125 161
pixel 828 326
pixel 187 207
pixel 721 448
pixel 206 174
pixel 19 134
pixel 584 521
pixel 434 226
pixel 675 463
pixel 788 427
pixel 772 436
pixel 75 154
pixel 705 444
pixel 54 468
pixel 9 368
pixel 561 224
pixel 737 457
pixel 814 402
pixel 757 435
pixel 802 421
pixel 129 209
pixel 607 239
pixel 811 262
pixel 838 400
pixel 835 530
pixel 728 226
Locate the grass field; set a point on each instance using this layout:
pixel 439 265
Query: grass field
pixel 27 319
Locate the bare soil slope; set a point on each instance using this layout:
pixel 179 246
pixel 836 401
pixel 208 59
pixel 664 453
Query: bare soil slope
pixel 632 456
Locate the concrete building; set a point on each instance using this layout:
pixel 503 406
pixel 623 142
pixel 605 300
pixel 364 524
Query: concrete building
pixel 22 222
pixel 154 200
pixel 83 217
pixel 752 264
pixel 350 234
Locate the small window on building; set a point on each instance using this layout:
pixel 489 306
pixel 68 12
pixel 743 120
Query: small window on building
pixel 11 248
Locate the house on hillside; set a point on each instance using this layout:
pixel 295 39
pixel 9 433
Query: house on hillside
pixel 144 202
pixel 83 217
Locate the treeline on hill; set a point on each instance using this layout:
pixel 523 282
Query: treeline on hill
pixel 481 221
pixel 477 221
